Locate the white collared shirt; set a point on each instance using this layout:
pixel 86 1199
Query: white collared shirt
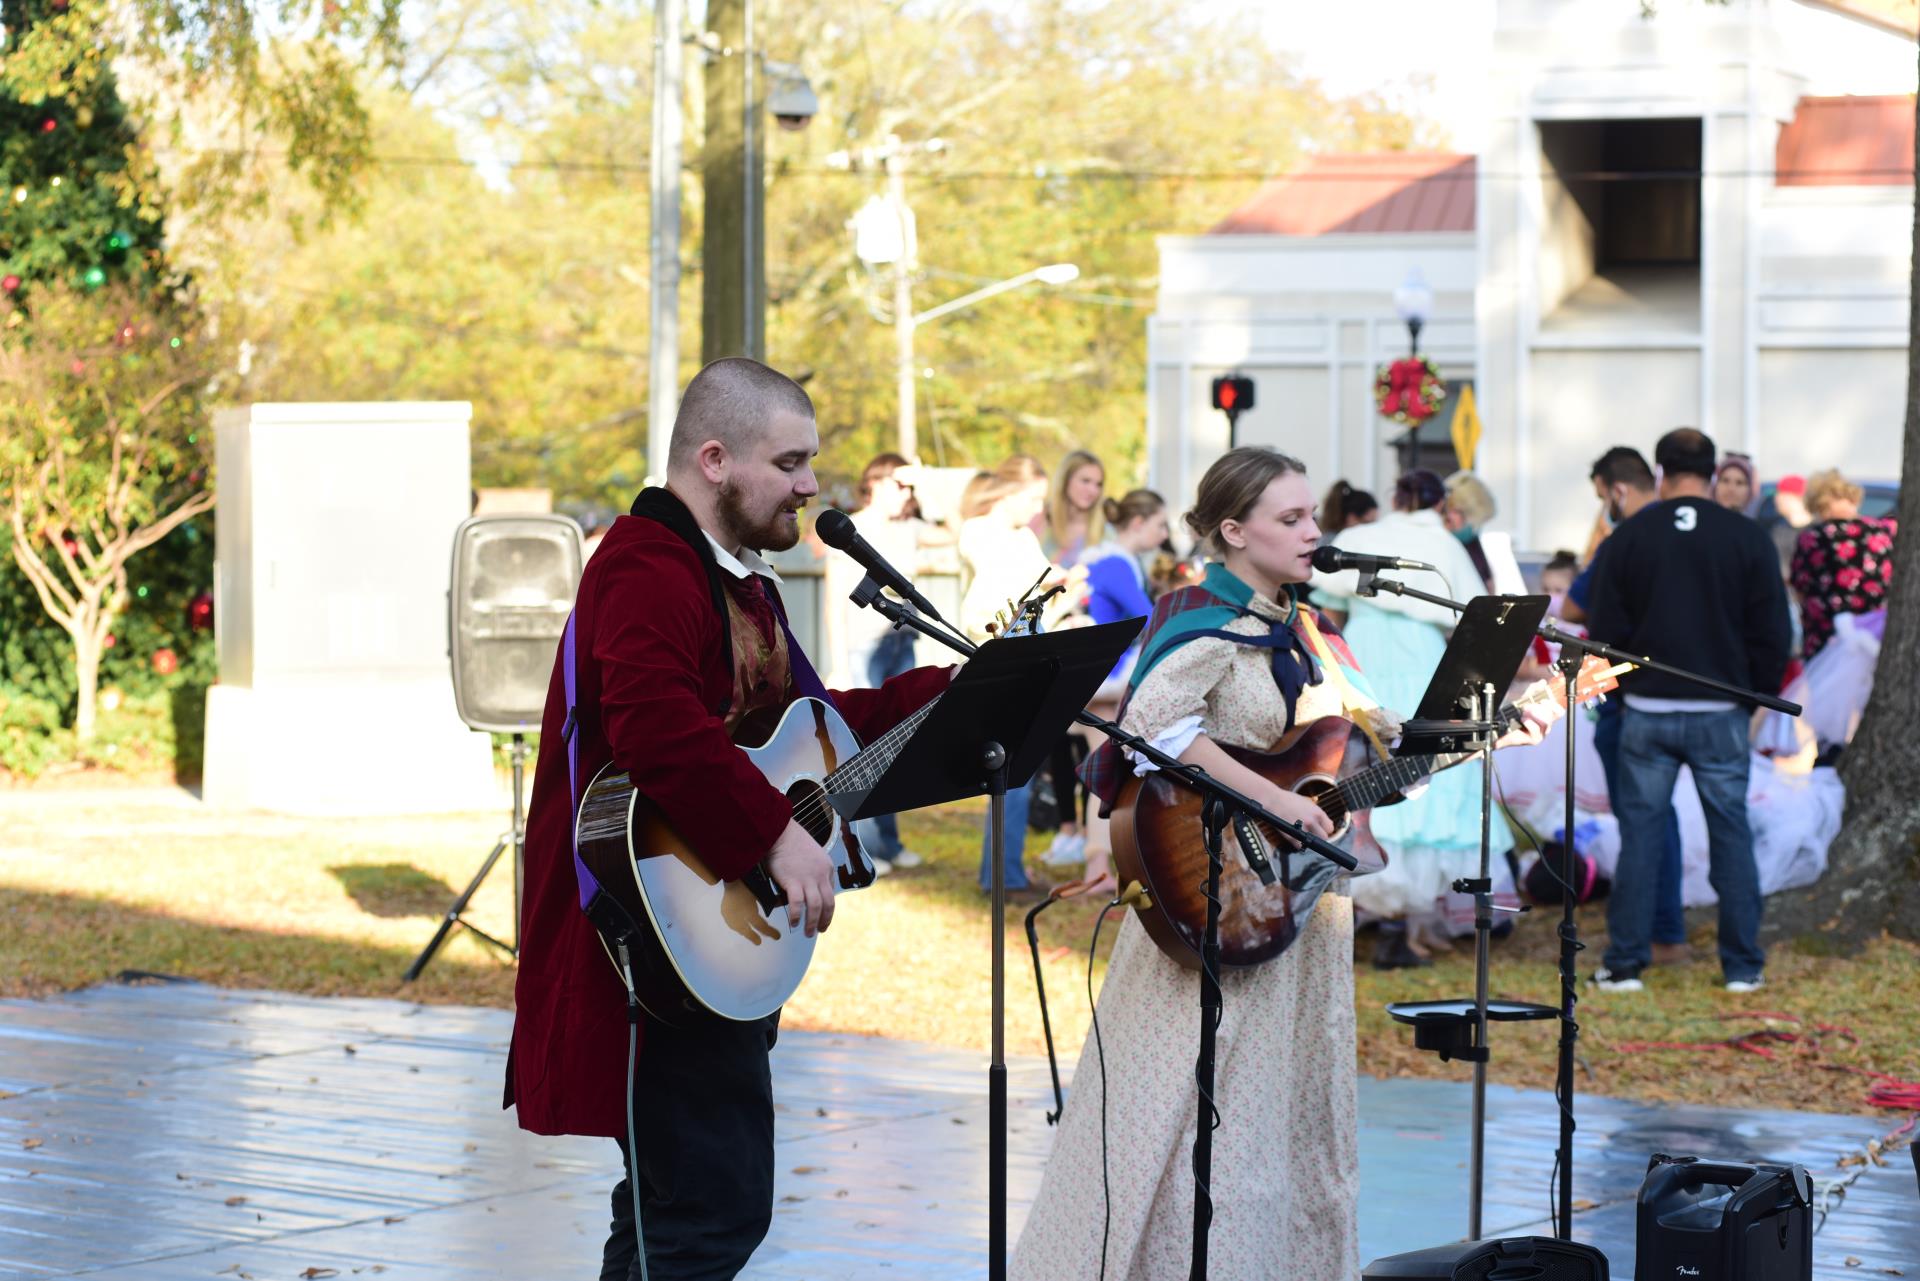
pixel 747 562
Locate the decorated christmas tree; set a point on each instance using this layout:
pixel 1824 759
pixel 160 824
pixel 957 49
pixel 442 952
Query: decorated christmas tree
pixel 103 445
pixel 80 199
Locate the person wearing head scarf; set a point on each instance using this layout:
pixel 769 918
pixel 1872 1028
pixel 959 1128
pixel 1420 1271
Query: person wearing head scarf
pixel 1734 485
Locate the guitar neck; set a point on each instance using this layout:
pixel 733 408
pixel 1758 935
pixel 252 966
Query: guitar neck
pixel 865 767
pixel 1376 783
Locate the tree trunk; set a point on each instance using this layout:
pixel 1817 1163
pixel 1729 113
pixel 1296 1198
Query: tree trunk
pixel 87 648
pixel 1870 885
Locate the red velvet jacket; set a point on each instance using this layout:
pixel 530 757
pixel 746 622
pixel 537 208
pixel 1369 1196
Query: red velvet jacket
pixel 653 667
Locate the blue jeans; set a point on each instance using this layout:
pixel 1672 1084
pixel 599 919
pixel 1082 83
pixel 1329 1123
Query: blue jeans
pixel 890 656
pixel 1653 747
pixel 1018 802
pixel 1669 918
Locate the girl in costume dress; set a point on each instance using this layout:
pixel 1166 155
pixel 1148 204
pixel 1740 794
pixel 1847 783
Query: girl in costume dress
pixel 1285 1179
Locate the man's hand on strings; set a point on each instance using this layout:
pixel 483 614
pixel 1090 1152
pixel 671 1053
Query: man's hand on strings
pixel 803 870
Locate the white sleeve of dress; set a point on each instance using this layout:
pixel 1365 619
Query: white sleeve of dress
pixel 1173 740
pixel 1170 706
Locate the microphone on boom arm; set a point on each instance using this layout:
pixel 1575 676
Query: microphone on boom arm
pixel 1331 560
pixel 837 531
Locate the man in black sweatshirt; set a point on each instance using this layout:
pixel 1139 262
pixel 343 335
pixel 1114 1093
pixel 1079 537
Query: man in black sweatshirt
pixel 1690 583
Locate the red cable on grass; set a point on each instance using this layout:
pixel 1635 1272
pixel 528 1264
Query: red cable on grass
pixel 1888 1091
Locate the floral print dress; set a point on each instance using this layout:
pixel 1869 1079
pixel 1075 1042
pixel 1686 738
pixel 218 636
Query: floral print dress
pixel 1286 1162
pixel 1840 567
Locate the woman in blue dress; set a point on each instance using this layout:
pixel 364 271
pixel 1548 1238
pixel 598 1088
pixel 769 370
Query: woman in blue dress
pixel 1433 837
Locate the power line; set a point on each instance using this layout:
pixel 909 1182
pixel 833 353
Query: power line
pixel 453 329
pixel 1044 174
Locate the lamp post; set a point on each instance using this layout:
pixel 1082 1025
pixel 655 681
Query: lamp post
pixel 905 323
pixel 1414 301
pixel 883 235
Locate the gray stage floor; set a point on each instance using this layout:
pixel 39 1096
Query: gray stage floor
pixel 179 1131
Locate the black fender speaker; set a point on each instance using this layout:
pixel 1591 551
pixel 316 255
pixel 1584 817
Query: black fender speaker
pixel 1508 1259
pixel 1724 1221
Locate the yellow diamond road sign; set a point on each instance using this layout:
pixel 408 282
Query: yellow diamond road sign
pixel 1466 427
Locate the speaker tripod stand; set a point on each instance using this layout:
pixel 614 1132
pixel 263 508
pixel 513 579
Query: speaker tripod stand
pixel 516 836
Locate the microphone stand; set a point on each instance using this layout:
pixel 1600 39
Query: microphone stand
pixel 1573 652
pixel 1225 807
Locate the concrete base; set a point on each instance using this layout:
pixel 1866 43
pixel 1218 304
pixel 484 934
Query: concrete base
pixel 372 748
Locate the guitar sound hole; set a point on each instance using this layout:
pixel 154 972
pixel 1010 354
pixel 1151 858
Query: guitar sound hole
pixel 1320 792
pixel 811 810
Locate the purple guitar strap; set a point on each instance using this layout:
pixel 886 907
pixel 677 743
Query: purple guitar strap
pixel 589 886
pixel 805 680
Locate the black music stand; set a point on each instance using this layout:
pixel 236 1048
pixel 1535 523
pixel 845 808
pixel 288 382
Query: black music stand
pixel 998 720
pixel 1458 713
pixel 1487 647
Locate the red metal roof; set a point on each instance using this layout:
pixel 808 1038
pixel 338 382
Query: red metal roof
pixel 1902 17
pixel 1847 142
pixel 1392 191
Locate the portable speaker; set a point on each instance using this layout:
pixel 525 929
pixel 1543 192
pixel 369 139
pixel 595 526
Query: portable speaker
pixel 1508 1259
pixel 512 589
pixel 1724 1221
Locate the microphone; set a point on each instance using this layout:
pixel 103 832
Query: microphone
pixel 1331 560
pixel 836 530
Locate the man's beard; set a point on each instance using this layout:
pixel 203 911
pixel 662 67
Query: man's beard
pixel 771 534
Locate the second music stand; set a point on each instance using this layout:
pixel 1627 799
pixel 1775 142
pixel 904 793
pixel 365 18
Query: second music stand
pixel 994 725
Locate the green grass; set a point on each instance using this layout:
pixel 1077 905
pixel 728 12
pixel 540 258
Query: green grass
pixel 94 883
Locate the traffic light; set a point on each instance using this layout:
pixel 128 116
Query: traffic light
pixel 1232 396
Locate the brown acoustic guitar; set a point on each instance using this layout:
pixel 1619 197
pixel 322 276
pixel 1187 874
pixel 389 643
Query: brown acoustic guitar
pixel 1157 838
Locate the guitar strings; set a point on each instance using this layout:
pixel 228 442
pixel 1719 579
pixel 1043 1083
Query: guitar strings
pixel 818 804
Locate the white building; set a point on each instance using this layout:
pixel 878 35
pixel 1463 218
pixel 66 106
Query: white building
pixel 1703 217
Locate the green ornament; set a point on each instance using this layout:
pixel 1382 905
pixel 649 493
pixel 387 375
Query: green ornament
pixel 94 277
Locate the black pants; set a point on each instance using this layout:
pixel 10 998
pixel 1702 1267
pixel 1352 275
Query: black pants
pixel 1067 787
pixel 703 1119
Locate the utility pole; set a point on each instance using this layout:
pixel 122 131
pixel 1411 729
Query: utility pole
pixel 903 323
pixel 663 335
pixel 733 318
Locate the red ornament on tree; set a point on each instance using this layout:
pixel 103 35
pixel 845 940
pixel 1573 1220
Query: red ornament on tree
pixel 9 283
pixel 165 662
pixel 200 612
pixel 1409 390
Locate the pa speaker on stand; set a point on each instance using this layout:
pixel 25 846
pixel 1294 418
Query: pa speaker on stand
pixel 1510 1259
pixel 512 587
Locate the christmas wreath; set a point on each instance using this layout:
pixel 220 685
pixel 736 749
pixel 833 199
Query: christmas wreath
pixel 1409 390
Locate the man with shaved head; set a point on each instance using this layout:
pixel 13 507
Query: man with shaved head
pixel 682 647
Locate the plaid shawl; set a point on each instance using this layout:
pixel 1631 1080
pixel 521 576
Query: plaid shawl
pixel 1191 613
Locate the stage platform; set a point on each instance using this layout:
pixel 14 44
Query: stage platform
pixel 161 1132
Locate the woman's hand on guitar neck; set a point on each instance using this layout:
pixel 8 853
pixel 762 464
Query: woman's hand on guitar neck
pixel 803 871
pixel 1530 732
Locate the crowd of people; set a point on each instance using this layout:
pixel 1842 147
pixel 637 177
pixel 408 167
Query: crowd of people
pixel 1685 594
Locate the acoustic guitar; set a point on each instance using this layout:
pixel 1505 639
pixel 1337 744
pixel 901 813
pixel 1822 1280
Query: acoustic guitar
pixel 1157 838
pixel 711 948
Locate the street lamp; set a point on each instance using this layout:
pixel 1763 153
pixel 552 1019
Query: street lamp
pixel 905 322
pixel 1414 301
pixel 883 235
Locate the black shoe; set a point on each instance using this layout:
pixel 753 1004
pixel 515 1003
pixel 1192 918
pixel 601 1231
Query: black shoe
pixel 1391 951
